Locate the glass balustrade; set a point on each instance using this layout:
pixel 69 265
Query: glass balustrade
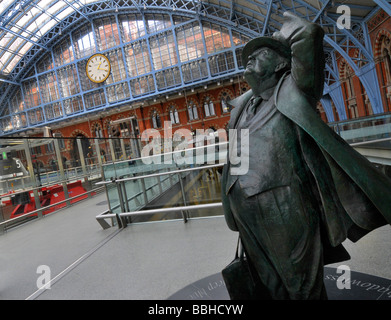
pixel 41 175
pixel 188 177
pixel 364 129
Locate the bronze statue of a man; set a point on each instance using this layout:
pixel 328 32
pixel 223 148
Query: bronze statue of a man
pixel 306 190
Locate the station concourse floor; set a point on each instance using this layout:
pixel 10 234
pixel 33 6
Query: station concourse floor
pixel 144 261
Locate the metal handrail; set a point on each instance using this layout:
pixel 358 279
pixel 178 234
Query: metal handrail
pixel 354 144
pixel 109 214
pixel 165 210
pixel 361 119
pixel 68 179
pixel 106 214
pixel 166 153
pixel 161 174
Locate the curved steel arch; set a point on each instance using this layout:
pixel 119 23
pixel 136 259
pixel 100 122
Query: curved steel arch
pixel 190 8
pixel 52 36
pixel 366 73
pixel 233 15
pixel 326 21
pixel 385 5
pixel 231 72
pixel 226 15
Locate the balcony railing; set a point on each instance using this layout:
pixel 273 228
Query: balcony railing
pixel 372 128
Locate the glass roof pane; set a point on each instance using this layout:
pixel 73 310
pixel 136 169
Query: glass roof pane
pixel 4 5
pixel 25 48
pixel 45 4
pixel 48 26
pixel 41 21
pixel 55 8
pixel 65 13
pixel 31 25
pixel 17 58
pixel 90 1
pixel 15 29
pixel 35 11
pixel 31 28
pixel 23 20
pixel 6 39
pixel 16 44
pixel 5 57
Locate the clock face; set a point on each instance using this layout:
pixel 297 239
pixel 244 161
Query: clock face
pixel 98 68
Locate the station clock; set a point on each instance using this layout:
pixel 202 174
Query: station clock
pixel 98 68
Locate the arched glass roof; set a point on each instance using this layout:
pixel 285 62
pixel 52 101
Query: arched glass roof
pixel 23 24
pixel 31 29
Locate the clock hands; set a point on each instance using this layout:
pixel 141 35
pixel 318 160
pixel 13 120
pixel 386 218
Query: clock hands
pixel 99 68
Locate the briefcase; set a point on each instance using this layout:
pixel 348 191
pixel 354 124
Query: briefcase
pixel 240 281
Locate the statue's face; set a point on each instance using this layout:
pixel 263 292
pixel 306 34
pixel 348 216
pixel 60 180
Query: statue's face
pixel 262 63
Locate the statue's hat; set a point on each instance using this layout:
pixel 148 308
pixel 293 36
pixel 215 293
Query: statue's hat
pixel 279 46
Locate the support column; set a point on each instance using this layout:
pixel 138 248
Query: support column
pixel 112 152
pixel 61 169
pixel 368 77
pixel 328 108
pixel 337 97
pixel 32 175
pixel 83 164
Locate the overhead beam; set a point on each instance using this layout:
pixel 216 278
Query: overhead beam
pixel 353 18
pixel 325 5
pixel 232 10
pixel 268 14
pixel 137 6
pixel 47 13
pixel 385 5
pixel 77 10
pixel 353 6
pixel 13 10
pixel 344 32
pixel 22 37
pixel 9 81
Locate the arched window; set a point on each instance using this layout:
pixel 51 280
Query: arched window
pixel 382 57
pixel 349 83
pixel 192 111
pixel 348 87
pixel 367 103
pixel 75 155
pixel 49 148
pixel 97 131
pixel 61 141
pixel 124 127
pixel 156 122
pixel 386 75
pixel 385 69
pixel 209 107
pixel 387 64
pixel 335 111
pixel 174 116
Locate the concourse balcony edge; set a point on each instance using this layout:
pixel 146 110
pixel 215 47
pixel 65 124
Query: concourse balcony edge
pixel 370 136
pixel 39 176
